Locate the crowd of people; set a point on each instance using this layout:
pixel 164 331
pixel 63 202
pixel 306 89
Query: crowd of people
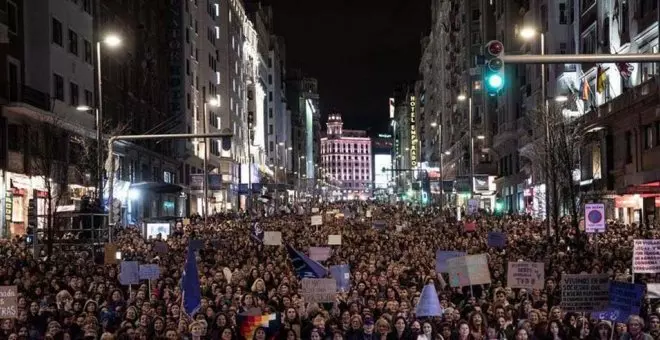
pixel 70 295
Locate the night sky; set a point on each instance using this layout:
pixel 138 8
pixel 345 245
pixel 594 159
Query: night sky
pixel 359 50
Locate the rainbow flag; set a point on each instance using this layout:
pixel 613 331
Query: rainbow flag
pixel 248 324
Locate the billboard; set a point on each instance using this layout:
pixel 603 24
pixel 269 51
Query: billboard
pixel 382 178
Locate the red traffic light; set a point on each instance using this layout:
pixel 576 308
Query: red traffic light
pixel 495 47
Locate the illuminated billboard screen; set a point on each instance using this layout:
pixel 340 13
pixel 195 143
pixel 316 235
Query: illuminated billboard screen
pixel 382 178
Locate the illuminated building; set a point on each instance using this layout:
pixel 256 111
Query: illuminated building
pixel 346 157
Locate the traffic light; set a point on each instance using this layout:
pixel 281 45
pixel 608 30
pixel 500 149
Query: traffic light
pixel 494 68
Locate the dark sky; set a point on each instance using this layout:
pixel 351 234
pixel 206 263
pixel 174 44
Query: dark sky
pixel 359 50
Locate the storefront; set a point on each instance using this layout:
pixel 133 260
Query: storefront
pixel 25 203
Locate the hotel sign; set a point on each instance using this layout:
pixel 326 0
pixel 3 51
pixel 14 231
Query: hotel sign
pixel 413 132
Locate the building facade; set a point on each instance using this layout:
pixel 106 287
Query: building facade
pixel 303 101
pixel 346 158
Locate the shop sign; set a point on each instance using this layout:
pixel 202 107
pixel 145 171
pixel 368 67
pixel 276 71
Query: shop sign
pixel 9 204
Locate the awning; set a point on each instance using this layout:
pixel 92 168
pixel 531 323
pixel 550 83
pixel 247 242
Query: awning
pixel 157 187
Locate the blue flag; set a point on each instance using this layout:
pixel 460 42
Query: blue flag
pixel 192 294
pixel 257 232
pixel 304 266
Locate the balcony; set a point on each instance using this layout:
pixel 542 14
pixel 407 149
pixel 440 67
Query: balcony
pixel 19 93
pixel 506 132
pixel 626 101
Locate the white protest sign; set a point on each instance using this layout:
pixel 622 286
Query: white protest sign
pixel 8 302
pixel 319 290
pixel 272 238
pixel 334 240
pixel 319 253
pixel 594 217
pixel 317 220
pixel 368 213
pixel 468 270
pixel 646 256
pixel 315 210
pixel 149 272
pixel 585 292
pixel 529 275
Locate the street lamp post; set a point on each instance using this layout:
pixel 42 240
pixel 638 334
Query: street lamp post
pixel 463 97
pixel 111 41
pixel 213 102
pixel 528 33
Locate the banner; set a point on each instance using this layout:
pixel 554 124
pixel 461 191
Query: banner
pixel 625 300
pixel 319 253
pixel 496 239
pixel 646 256
pixel 319 290
pixel 441 257
pixel 529 275
pixel 584 292
pixel 594 217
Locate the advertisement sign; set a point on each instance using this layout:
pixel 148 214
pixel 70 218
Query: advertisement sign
pixel 646 256
pixel 413 132
pixel 594 217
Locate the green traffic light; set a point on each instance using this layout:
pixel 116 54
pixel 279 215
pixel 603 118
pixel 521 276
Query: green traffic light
pixel 495 81
pixel 499 206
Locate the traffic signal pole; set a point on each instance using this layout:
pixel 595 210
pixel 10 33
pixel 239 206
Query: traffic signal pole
pixel 110 163
pixel 580 58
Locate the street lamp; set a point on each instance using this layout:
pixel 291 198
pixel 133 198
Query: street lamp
pixel 561 99
pixel 112 41
pixel 527 33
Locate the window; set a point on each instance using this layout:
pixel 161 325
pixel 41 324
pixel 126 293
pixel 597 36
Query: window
pixel 58 87
pixel 270 96
pixel 648 137
pixel 589 42
pixel 563 48
pixel 87 6
pixel 630 146
pixel 73 42
pixel 563 15
pixel 12 17
pixel 270 129
pixel 270 79
pixel 73 94
pixel 606 34
pixel 89 98
pixel 88 51
pixel 14 80
pixel 57 32
pixel 270 146
pixel 270 113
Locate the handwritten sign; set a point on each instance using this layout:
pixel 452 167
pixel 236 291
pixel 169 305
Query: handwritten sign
pixel 584 292
pixel 334 240
pixel 149 272
pixel 273 238
pixel 496 239
pixel 468 270
pixel 441 257
pixel 319 290
pixel 8 302
pixel 317 220
pixel 529 275
pixel 319 253
pixel 646 256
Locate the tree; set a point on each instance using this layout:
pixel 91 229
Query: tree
pixel 49 158
pixel 86 163
pixel 554 154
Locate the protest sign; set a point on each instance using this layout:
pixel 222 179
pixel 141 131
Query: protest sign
pixel 646 256
pixel 469 226
pixel 368 214
pixel 496 239
pixel 594 217
pixel 472 206
pixel 342 276
pixel 584 292
pixel 315 210
pixel 8 302
pixel 653 290
pixel 625 300
pixel 441 257
pixel 317 220
pixel 149 272
pixel 468 270
pixel 129 273
pixel 319 290
pixel 273 238
pixel 160 247
pixel 379 224
pixel 529 275
pixel 334 240
pixel 319 253
pixel 110 254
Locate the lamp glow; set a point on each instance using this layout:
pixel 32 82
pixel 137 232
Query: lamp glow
pixel 461 97
pixel 495 81
pixel 83 108
pixel 112 40
pixel 527 33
